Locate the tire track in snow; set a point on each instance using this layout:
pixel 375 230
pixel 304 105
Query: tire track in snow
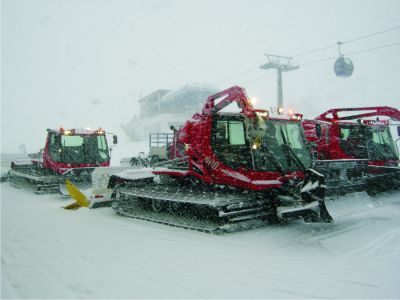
pixel 334 231
pixel 317 233
pixel 344 211
pixel 359 203
pixel 375 246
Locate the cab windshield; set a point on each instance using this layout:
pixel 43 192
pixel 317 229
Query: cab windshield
pixel 287 141
pixel 368 142
pixel 274 146
pixel 79 149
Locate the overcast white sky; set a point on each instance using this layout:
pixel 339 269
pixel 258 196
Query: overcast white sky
pixel 81 63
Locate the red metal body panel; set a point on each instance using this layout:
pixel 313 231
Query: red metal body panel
pixel 374 111
pixel 328 141
pixel 202 161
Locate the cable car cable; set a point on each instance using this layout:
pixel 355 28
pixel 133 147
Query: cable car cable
pixel 351 53
pixel 348 42
pixel 325 59
pixel 317 50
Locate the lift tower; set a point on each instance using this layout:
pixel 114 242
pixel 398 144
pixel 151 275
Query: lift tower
pixel 281 64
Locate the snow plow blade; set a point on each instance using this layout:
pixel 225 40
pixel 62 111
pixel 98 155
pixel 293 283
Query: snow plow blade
pixel 312 212
pixel 91 181
pixel 77 195
pixel 72 206
pixel 313 193
pixel 98 194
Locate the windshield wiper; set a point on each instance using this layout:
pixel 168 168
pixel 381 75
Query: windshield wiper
pixel 290 153
pixel 274 158
pixel 295 158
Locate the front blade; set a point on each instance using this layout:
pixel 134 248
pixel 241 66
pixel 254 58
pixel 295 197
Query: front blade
pixel 313 189
pixel 72 206
pixel 76 194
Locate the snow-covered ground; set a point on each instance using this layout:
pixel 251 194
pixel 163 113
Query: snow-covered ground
pixel 49 252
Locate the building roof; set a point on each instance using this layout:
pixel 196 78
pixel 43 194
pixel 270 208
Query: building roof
pixel 153 96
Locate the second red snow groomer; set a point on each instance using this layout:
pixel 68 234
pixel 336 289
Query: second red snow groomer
pixel 357 145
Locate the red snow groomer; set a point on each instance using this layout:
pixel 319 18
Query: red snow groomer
pixel 236 174
pixel 355 152
pixel 68 154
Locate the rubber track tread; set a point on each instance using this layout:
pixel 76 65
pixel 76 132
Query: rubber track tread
pixel 235 212
pixel 203 226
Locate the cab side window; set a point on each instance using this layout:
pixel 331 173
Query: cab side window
pixel 54 147
pixel 230 143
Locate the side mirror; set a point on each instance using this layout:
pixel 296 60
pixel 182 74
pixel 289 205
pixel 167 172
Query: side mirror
pixel 318 130
pixel 398 131
pixel 115 139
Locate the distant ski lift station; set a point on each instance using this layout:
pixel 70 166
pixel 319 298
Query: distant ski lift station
pixel 163 108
